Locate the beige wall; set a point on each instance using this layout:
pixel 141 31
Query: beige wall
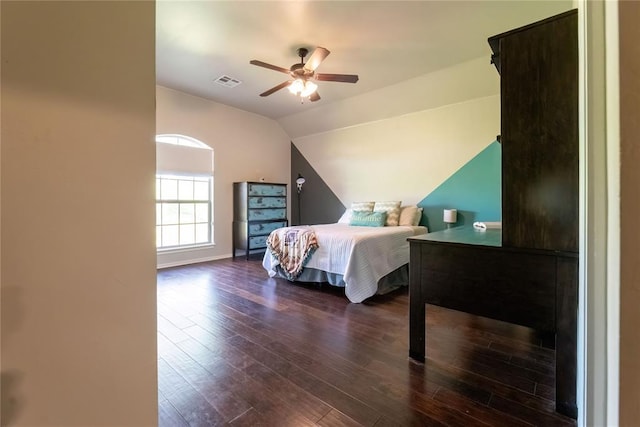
pixel 246 147
pixel 629 13
pixel 77 175
pixel 0 218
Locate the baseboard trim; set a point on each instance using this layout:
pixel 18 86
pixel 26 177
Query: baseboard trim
pixel 191 261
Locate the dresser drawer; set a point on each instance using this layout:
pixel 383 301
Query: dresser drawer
pixel 267 190
pixel 264 228
pixel 257 242
pixel 267 202
pixel 264 214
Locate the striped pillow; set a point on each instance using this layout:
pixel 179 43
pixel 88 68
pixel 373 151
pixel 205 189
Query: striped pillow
pixel 392 209
pixel 362 206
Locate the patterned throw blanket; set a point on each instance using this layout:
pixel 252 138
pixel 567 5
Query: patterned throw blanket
pixel 292 247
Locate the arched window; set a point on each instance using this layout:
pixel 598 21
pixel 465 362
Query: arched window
pixel 184 141
pixel 184 192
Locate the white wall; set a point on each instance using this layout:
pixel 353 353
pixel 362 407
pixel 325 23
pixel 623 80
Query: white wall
pixel 246 147
pixel 78 253
pixel 406 156
pixel 460 83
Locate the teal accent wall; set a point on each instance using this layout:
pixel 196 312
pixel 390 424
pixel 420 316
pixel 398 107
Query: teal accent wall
pixel 474 190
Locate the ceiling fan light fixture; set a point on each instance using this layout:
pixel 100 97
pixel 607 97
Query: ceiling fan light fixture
pixel 302 88
pixel 302 74
pixel 309 88
pixel 296 87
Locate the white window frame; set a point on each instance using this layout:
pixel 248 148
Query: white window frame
pixel 178 222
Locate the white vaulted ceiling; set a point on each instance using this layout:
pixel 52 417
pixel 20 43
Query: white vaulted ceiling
pixel 384 42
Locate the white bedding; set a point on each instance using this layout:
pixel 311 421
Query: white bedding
pixel 363 255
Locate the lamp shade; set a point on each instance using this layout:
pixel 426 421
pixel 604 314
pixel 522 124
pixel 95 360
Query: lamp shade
pixel 299 181
pixel 450 216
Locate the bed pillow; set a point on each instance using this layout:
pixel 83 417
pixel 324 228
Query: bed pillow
pixel 392 209
pixel 410 215
pixel 368 219
pixel 355 206
pixel 418 217
pixel 362 206
pixel 346 216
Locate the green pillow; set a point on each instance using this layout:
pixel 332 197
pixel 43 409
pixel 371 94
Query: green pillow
pixel 368 219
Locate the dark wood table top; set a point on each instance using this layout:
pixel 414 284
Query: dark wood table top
pixel 464 235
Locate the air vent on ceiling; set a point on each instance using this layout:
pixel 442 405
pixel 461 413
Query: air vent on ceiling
pixel 227 81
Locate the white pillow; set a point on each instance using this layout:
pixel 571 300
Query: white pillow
pixel 410 215
pixel 418 217
pixel 392 209
pixel 346 216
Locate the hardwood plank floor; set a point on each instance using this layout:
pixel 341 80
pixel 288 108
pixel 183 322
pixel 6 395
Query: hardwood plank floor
pixel 238 348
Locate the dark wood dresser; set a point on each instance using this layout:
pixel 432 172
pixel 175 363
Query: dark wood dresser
pixel 538 67
pixel 469 270
pixel 527 272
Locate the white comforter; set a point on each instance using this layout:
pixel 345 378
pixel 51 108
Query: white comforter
pixel 363 255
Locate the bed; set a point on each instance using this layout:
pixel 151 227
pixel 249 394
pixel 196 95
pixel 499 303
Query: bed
pixel 365 260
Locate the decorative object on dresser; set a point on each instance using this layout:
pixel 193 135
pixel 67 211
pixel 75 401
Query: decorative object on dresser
pixel 526 272
pixel 258 209
pixel 450 216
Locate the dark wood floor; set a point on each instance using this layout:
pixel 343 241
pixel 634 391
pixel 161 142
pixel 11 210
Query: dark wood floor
pixel 238 348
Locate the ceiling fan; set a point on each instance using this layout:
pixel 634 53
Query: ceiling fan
pixel 303 73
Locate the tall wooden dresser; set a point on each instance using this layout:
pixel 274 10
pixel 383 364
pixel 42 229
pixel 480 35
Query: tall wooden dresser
pixel 538 66
pixel 527 272
pixel 258 209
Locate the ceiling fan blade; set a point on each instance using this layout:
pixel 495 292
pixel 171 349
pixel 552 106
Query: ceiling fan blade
pixel 269 66
pixel 276 88
pixel 316 58
pixel 314 97
pixel 344 78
